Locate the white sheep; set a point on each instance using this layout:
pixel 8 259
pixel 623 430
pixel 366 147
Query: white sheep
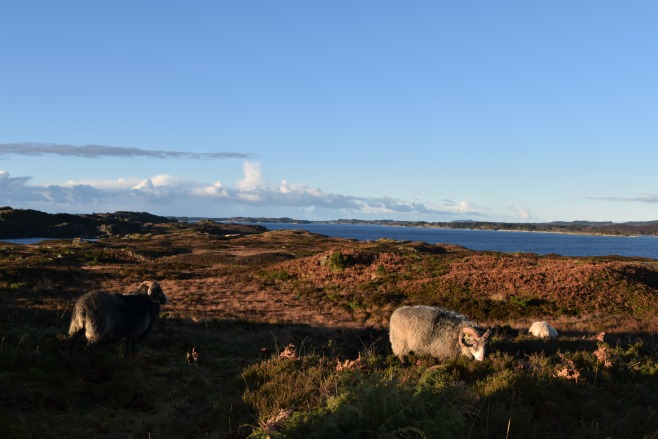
pixel 436 332
pixel 543 330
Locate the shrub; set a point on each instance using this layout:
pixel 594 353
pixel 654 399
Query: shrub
pixel 277 275
pixel 337 261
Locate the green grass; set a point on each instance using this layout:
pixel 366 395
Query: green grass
pixel 354 402
pixel 537 395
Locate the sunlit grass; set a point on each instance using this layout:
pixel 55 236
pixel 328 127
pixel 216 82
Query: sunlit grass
pixel 537 395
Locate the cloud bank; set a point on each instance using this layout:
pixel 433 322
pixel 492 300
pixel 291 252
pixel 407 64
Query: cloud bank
pixel 96 151
pixel 250 195
pixel 169 195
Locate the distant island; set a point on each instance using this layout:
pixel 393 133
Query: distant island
pixel 632 228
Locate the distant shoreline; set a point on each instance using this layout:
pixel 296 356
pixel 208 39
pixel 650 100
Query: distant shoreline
pixel 630 229
pixel 26 223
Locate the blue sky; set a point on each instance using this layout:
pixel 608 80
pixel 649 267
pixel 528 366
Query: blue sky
pixel 523 111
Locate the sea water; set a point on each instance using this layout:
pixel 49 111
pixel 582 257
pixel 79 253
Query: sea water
pixel 492 240
pixel 480 240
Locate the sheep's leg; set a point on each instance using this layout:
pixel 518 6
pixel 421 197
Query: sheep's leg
pixel 73 338
pixel 126 349
pixel 400 351
pixel 131 347
pixel 91 354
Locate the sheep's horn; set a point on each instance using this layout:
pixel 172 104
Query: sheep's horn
pixel 152 292
pixel 470 331
pixel 155 296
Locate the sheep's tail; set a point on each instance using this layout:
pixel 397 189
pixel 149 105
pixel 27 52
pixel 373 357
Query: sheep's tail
pixel 77 322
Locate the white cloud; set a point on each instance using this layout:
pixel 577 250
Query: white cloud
pixel 145 186
pixel 162 192
pixel 250 197
pixel 461 208
pixel 253 178
pixel 16 190
pixel 109 185
pixel 521 212
pixel 164 185
pixel 6 180
pixel 214 190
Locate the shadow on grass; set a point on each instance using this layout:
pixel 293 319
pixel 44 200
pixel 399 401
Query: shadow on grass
pixel 188 377
pixel 164 390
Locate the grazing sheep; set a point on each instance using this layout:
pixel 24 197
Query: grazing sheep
pixel 107 317
pixel 543 330
pixel 436 332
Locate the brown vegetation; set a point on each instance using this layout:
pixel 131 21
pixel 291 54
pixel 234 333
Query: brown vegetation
pixel 250 309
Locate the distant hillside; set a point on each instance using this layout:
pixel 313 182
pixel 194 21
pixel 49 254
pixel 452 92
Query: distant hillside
pixel 635 228
pixel 27 223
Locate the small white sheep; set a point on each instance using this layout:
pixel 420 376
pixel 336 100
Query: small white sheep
pixel 543 330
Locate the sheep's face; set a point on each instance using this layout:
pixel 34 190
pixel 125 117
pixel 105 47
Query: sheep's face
pixel 472 344
pixel 156 294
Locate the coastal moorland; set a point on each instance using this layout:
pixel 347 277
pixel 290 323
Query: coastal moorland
pixel 284 334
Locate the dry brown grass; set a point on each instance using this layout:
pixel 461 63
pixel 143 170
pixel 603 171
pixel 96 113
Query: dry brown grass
pixel 238 301
pixel 285 277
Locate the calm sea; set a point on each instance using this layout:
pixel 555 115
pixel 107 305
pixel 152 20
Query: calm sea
pixel 527 242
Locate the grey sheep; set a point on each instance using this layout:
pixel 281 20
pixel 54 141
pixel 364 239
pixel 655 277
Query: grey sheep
pixel 107 317
pixel 437 332
pixel 543 330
